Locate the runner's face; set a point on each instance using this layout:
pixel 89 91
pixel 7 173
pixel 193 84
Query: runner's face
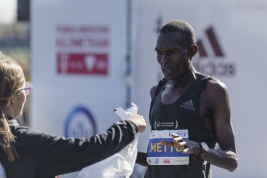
pixel 172 57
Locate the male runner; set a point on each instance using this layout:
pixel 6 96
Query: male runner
pixel 187 99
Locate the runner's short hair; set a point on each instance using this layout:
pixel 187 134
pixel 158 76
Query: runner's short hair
pixel 182 27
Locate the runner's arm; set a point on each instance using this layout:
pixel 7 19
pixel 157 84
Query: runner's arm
pixel 221 111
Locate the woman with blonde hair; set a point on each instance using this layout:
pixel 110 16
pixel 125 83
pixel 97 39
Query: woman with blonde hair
pixel 25 153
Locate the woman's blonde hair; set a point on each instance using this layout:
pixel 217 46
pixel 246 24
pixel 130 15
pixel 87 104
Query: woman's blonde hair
pixel 11 80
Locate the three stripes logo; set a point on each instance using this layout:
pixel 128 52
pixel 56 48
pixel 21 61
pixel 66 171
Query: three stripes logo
pixel 211 59
pixel 188 105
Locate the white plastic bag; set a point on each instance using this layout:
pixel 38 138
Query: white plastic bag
pixel 119 165
pixel 2 171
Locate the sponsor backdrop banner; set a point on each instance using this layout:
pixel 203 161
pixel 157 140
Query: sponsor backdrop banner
pixel 231 48
pixel 78 63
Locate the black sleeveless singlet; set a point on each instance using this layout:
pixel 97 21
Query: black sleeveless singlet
pixel 184 113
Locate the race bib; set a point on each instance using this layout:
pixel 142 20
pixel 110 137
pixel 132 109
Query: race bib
pixel 158 154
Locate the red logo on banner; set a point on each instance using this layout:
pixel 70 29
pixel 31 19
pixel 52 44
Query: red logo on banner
pixel 89 64
pixel 166 161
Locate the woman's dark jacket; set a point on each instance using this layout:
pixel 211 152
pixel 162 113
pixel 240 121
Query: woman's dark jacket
pixel 44 156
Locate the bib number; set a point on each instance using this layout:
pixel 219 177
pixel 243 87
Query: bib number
pixel 158 154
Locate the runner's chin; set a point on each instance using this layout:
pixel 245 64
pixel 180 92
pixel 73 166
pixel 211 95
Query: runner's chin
pixel 167 75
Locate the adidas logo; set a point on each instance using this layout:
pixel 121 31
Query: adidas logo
pixel 210 58
pixel 214 44
pixel 188 105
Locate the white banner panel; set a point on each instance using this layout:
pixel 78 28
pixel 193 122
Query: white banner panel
pixel 78 63
pixel 231 40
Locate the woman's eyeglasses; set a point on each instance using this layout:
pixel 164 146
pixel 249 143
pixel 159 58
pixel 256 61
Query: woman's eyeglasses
pixel 26 90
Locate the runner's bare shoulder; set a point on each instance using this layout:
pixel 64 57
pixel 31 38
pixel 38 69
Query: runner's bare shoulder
pixel 216 90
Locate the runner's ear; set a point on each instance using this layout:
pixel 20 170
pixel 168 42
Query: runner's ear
pixel 193 50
